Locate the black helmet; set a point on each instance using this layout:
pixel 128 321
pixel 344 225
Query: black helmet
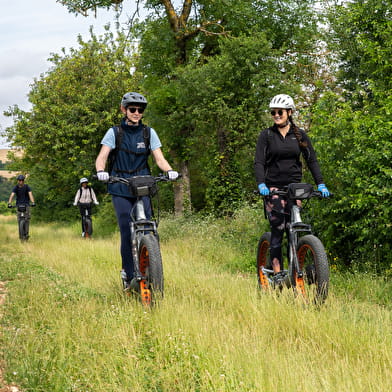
pixel 133 98
pixel 21 177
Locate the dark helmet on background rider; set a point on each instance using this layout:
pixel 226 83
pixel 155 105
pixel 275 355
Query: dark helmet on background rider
pixel 133 99
pixel 21 177
pixel 282 101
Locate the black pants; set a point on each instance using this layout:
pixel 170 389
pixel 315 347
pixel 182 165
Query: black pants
pixel 123 206
pixel 278 210
pixel 83 207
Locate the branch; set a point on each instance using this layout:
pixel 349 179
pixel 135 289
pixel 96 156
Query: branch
pixel 171 14
pixel 203 29
pixel 186 10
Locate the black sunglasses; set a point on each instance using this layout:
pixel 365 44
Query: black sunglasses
pixel 133 110
pixel 274 112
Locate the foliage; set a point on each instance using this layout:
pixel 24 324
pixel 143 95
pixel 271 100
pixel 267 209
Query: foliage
pixel 229 56
pixel 358 221
pixel 361 35
pixel 353 137
pixel 6 187
pixel 74 104
pixel 210 105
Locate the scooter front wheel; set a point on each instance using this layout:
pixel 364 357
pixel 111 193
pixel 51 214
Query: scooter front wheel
pixel 313 262
pixel 151 268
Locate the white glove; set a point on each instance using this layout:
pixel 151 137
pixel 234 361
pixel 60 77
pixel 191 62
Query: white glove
pixel 96 203
pixel 75 204
pixel 103 176
pixel 172 174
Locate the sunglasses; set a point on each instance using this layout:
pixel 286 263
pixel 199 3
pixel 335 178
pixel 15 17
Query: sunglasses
pixel 274 112
pixel 133 110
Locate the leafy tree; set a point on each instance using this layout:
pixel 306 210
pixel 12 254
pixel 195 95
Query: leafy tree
pixel 176 41
pixel 235 71
pixel 355 151
pixel 5 188
pixel 353 136
pixel 361 35
pixel 73 105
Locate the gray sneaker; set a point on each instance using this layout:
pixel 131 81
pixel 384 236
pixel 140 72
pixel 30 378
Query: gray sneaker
pixel 279 279
pixel 126 282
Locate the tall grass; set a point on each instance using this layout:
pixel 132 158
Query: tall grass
pixel 67 326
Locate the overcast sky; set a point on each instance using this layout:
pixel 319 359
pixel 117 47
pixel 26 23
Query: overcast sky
pixel 30 30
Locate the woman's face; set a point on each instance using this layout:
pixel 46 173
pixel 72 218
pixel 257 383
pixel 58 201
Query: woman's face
pixel 133 113
pixel 280 116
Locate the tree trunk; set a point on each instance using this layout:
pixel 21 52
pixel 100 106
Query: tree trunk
pixel 182 192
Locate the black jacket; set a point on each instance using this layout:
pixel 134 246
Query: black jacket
pixel 277 159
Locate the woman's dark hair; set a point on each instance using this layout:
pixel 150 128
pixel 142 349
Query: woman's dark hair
pixel 297 133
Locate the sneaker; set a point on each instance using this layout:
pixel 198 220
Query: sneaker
pixel 83 234
pixel 126 282
pixel 279 279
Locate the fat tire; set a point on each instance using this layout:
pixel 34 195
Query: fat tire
pixel 150 265
pixel 263 260
pixel 22 230
pixel 313 261
pixel 88 227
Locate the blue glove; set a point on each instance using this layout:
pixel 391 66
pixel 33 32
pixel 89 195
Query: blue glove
pixel 263 189
pixel 323 189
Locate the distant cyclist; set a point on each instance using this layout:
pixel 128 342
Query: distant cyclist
pixel 277 164
pixel 24 195
pixel 133 143
pixel 84 198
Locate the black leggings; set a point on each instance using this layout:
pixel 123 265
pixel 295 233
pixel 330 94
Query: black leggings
pixel 278 212
pixel 123 206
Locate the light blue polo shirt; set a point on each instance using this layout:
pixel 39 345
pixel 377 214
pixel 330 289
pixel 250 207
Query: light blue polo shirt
pixel 110 140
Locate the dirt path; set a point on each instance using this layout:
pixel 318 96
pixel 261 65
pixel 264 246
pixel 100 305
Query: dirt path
pixel 3 387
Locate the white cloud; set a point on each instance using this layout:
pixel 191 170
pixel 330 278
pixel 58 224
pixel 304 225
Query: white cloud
pixel 30 31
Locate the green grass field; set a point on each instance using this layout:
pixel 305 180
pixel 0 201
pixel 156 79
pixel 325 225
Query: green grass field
pixel 66 325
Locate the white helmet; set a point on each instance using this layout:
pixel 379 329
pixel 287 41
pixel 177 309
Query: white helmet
pixel 84 179
pixel 282 101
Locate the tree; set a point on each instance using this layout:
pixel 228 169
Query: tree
pixel 176 39
pixel 353 136
pixel 361 35
pixel 73 105
pixel 206 111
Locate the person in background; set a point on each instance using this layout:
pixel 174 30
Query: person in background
pixel 131 159
pixel 24 195
pixel 277 163
pixel 84 198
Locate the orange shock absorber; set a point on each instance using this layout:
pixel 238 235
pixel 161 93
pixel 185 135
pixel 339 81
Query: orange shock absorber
pixel 145 292
pixel 263 280
pixel 300 286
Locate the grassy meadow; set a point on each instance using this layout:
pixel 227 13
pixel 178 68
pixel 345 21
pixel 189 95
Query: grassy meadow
pixel 66 325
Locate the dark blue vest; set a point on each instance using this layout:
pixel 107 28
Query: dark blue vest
pixel 131 159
